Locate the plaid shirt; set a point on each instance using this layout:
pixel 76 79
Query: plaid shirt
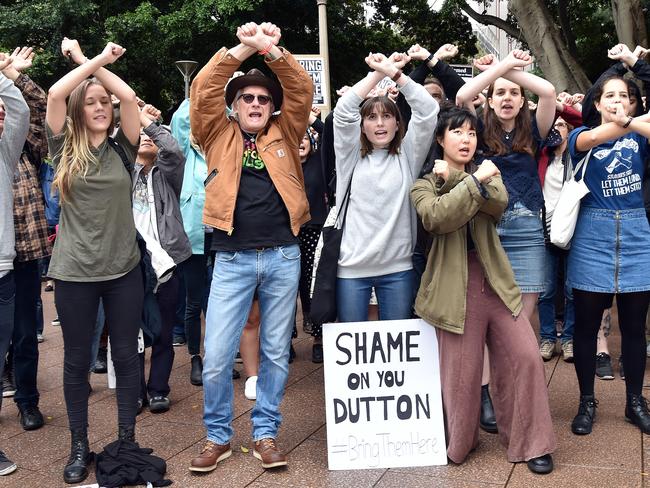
pixel 29 206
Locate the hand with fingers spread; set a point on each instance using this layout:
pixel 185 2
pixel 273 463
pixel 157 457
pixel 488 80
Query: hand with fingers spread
pixel 399 59
pixel 446 51
pixel 5 60
pixel 485 62
pixel 71 49
pixel 112 52
pixel 23 58
pixel 418 52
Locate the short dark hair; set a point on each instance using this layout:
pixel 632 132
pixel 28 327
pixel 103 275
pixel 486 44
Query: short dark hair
pixel 382 105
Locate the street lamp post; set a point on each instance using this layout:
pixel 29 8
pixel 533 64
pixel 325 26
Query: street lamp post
pixel 186 68
pixel 323 46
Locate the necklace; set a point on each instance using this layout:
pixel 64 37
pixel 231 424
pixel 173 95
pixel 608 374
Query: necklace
pixel 508 134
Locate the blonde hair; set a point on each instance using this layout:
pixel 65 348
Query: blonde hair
pixel 75 156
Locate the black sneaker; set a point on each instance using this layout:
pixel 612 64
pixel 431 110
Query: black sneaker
pixel 8 383
pixel 6 465
pixel 178 341
pixel 604 368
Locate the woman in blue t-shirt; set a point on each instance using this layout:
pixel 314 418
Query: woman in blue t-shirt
pixel 610 249
pixel 511 138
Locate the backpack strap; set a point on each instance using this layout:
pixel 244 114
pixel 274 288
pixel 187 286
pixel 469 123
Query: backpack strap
pixel 120 152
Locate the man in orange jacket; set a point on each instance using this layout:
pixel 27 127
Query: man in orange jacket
pixel 255 201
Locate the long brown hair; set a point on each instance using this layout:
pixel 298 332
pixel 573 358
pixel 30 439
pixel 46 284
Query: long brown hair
pixel 76 155
pixel 381 105
pixel 493 132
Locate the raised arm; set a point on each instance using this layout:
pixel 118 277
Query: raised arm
pixel 622 124
pixel 16 124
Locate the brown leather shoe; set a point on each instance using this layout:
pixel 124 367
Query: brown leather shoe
pixel 266 451
pixel 210 455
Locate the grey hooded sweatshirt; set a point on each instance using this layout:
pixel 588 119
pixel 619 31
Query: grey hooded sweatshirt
pixel 12 138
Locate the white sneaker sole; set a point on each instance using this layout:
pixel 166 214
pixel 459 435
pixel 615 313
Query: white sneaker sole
pixel 8 470
pixel 206 469
pixel 276 464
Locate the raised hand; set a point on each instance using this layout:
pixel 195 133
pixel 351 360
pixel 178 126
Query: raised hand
pixel 519 59
pixel 485 62
pixel 640 52
pixel 342 90
pixel 149 114
pixel 23 58
pixel 621 52
pixel 619 114
pixel 112 52
pixel 486 170
pixel 418 52
pixel 315 110
pixel 70 48
pixel 446 51
pixel 271 30
pixel 441 169
pixel 399 60
pixel 5 60
pixel 379 62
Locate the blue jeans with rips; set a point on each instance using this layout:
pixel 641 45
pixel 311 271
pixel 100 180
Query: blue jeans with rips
pixel 274 273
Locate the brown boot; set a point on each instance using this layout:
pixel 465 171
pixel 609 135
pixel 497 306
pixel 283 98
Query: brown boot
pixel 266 451
pixel 210 455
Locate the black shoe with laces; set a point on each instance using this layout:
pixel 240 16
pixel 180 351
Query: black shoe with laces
pixel 636 412
pixel 76 469
pixel 8 382
pixel 31 417
pixel 583 421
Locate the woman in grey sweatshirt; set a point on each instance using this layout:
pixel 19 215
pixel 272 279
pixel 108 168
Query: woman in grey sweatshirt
pixel 380 159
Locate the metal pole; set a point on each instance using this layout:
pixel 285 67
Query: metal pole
pixel 323 45
pixel 186 67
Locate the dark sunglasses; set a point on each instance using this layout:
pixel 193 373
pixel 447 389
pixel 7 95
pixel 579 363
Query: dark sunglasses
pixel 249 98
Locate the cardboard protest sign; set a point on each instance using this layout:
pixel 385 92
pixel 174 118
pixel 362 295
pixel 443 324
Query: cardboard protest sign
pixel 383 397
pixel 315 66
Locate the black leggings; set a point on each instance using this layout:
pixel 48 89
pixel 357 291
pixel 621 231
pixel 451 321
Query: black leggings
pixel 632 310
pixel 76 304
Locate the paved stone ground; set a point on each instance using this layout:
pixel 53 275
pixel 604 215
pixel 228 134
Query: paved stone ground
pixel 614 456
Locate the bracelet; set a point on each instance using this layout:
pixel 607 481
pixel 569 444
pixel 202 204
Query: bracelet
pixel 397 75
pixel 266 50
pixel 629 121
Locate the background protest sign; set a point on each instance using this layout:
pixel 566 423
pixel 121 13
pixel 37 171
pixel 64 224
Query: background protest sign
pixel 315 66
pixel 382 393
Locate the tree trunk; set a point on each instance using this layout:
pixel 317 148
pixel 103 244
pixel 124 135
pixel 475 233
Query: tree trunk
pixel 548 46
pixel 630 23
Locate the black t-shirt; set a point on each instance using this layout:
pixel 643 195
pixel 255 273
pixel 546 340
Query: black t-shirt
pixel 261 217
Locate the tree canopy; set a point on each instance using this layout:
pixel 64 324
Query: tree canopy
pixel 158 33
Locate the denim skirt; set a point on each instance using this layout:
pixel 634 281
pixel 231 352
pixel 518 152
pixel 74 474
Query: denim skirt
pixel 610 251
pixel 522 238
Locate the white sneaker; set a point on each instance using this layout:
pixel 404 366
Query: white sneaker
pixel 250 388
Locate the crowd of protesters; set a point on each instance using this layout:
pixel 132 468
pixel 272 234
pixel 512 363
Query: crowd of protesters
pixel 448 189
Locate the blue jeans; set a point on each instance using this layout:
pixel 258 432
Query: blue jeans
pixel 546 302
pixel 7 302
pixel 395 295
pixel 274 273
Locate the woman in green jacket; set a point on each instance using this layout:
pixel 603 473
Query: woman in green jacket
pixel 468 292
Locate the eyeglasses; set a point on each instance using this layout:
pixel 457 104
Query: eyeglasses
pixel 560 124
pixel 248 98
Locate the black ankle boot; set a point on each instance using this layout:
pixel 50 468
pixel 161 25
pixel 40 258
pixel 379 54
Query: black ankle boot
pixel 76 470
pixel 636 411
pixel 196 374
pixel 584 420
pixel 488 421
pixel 126 433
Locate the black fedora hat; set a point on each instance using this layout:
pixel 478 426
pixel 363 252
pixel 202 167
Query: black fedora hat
pixel 254 78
